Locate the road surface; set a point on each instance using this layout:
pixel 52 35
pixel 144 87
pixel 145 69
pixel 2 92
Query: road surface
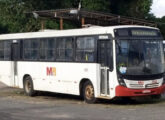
pixel 14 105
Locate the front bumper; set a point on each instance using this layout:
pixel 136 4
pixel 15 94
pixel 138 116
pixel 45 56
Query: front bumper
pixel 127 92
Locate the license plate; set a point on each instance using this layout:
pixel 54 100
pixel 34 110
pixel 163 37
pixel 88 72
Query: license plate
pixel 146 91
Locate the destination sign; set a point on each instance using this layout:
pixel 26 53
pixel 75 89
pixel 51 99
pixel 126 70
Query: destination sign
pixel 137 32
pixel 144 33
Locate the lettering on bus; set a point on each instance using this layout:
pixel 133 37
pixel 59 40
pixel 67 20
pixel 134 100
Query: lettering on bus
pixel 51 71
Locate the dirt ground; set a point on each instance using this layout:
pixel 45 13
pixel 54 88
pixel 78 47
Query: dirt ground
pixel 14 105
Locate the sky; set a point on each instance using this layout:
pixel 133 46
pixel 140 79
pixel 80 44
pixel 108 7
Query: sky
pixel 158 8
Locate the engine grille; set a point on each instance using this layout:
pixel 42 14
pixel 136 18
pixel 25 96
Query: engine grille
pixel 152 85
pixel 138 86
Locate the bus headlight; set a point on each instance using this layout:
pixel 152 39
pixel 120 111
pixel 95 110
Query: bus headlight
pixel 121 82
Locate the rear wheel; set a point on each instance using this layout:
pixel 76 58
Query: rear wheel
pixel 28 86
pixel 88 92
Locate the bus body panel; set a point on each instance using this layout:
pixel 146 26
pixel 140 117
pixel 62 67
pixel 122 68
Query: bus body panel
pixel 6 73
pixel 58 76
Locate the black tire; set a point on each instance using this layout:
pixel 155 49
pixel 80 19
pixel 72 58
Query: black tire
pixel 28 86
pixel 88 93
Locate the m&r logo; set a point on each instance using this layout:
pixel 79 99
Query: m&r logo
pixel 51 71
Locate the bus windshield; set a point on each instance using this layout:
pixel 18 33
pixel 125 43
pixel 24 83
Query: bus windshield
pixel 139 57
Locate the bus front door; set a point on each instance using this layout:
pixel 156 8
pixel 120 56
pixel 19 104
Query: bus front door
pixel 104 58
pixel 15 56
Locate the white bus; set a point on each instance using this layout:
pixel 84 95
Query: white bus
pixel 95 62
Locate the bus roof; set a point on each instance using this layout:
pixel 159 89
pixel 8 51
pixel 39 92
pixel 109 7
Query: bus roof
pixel 71 32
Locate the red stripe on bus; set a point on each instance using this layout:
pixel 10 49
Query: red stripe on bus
pixel 127 92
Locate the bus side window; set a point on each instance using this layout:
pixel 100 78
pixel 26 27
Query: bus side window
pixel 35 49
pixel 64 49
pixel 1 50
pixel 85 47
pixel 7 50
pixel 31 49
pixel 69 50
pixel 51 49
pixel 43 44
pixel 47 49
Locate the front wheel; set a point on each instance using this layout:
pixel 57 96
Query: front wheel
pixel 28 86
pixel 88 92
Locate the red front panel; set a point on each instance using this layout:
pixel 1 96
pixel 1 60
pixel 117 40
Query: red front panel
pixel 123 91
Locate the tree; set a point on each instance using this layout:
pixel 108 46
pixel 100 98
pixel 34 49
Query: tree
pixel 14 18
pixel 3 29
pixel 97 5
pixel 161 25
pixel 132 8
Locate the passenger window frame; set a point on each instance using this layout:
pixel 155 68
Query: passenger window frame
pixel 86 50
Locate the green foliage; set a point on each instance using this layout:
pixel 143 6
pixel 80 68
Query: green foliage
pixel 162 29
pixel 14 19
pixel 161 25
pixel 132 8
pixel 97 5
pixel 50 24
pixel 3 29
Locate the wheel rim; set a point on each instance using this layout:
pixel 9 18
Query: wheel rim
pixel 89 92
pixel 28 86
